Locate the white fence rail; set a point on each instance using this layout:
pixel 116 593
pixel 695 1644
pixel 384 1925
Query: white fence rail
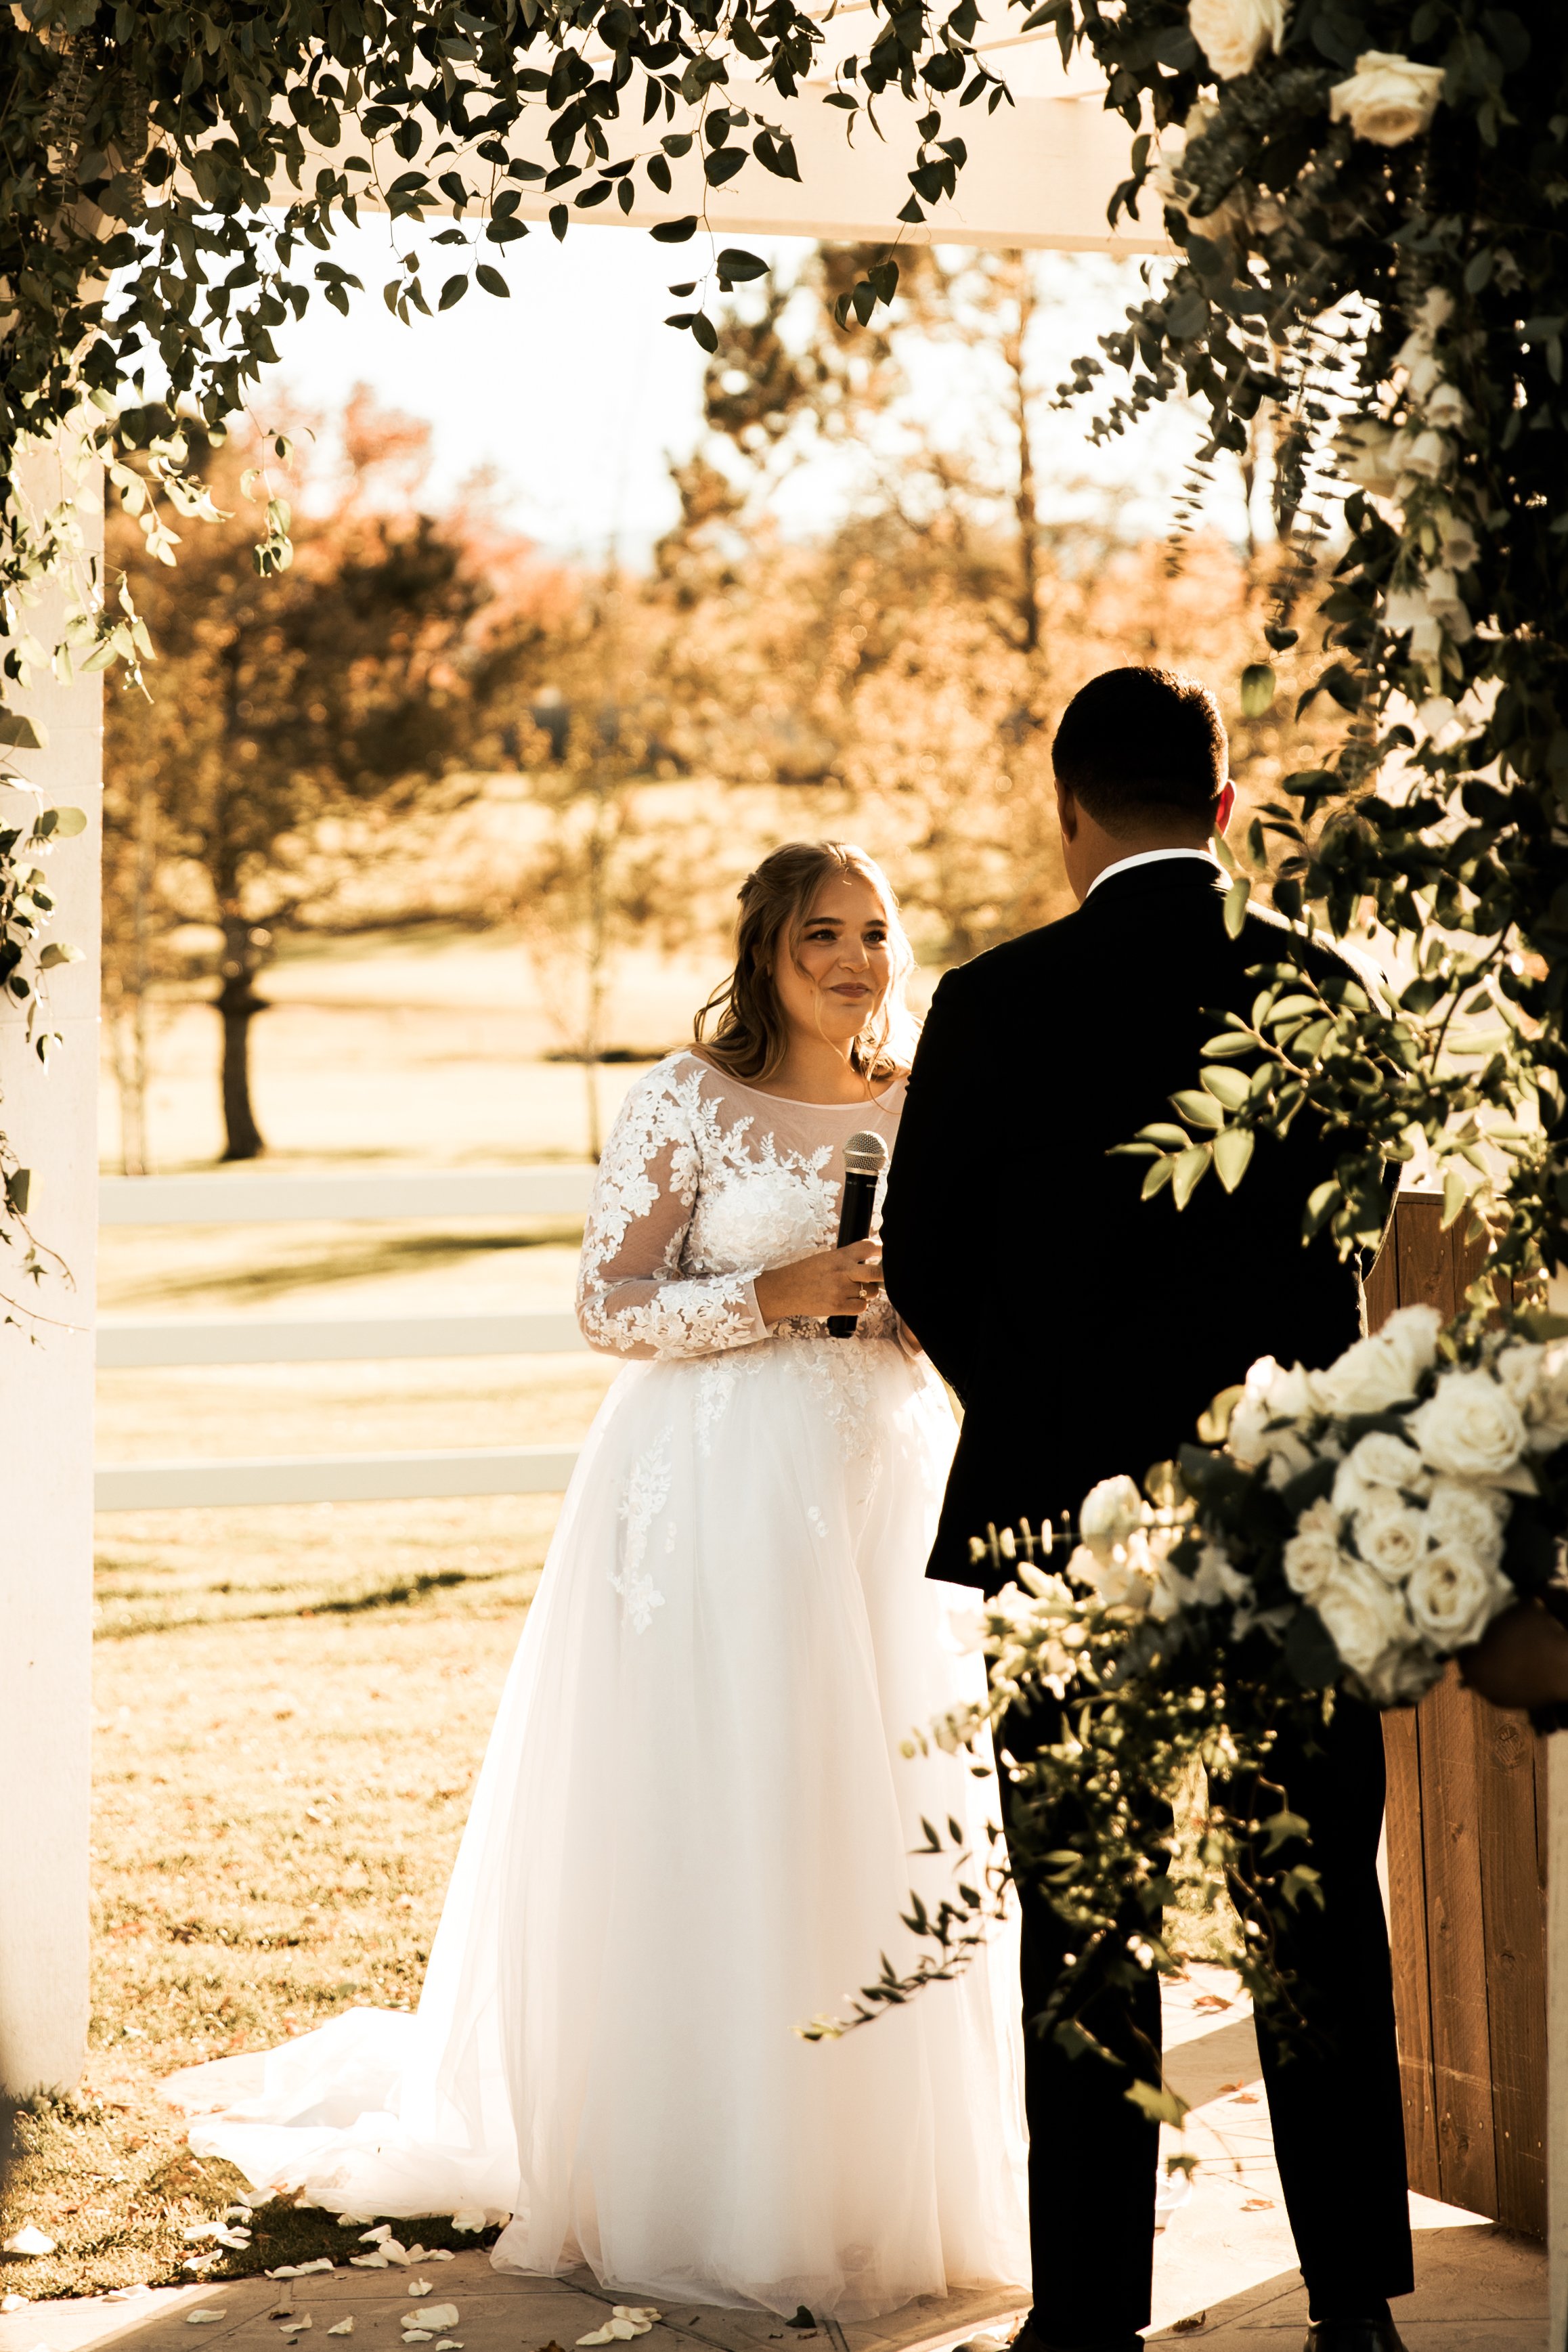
pixel 371 1338
pixel 248 1198
pixel 265 1200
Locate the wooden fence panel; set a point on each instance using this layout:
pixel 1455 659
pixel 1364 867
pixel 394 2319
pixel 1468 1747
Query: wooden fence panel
pixel 1467 1868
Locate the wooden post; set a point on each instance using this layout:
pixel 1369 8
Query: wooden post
pixel 45 1414
pixel 1467 1868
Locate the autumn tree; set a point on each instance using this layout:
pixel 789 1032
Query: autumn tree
pixel 296 715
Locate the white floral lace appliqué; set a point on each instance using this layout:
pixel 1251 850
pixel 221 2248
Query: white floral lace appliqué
pixel 648 1492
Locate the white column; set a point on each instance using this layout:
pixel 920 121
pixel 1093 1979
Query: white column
pixel 45 1410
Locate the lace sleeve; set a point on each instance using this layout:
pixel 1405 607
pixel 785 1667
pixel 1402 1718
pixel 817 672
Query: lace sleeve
pixel 632 1297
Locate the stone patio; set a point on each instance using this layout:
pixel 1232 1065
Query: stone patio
pixel 1225 2271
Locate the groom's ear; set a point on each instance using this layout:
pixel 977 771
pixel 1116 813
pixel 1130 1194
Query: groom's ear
pixel 1225 807
pixel 1067 812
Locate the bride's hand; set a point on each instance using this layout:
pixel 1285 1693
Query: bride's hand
pixel 835 1282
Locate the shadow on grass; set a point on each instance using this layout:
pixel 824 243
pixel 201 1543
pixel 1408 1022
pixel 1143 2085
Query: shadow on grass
pixel 402 1594
pixel 402 1253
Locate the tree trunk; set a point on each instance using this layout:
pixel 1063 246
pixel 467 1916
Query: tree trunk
pixel 237 1004
pixel 1015 357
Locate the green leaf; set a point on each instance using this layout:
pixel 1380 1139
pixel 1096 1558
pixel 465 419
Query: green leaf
pixel 674 232
pixel 1161 2105
pixel 1189 1171
pixel 1232 1151
pixel 1236 899
pixel 58 952
pixel 18 1184
pixel 1173 1138
pixel 21 734
pixel 1456 1192
pixel 1199 1109
pixel 452 291
pixel 1159 1176
pixel 739 266
pixel 1230 1087
pixel 491 280
pixel 1230 1042
pixel 1257 688
pixel 61 823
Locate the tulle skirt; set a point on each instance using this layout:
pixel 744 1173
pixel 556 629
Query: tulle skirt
pixel 692 1835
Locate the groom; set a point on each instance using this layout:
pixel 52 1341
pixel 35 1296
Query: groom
pixel 1098 1329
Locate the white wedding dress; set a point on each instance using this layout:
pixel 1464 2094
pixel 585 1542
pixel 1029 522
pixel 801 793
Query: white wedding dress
pixel 692 1831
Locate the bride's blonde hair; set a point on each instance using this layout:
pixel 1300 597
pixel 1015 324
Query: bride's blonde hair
pixel 753 1034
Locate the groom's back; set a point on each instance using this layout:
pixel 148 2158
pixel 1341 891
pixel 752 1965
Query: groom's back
pixel 1085 1328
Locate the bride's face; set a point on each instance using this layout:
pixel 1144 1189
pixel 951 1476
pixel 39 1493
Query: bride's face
pixel 838 976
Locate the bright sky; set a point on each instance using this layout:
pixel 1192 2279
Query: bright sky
pixel 576 394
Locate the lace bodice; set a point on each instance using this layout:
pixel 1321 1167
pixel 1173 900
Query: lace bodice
pixel 706 1183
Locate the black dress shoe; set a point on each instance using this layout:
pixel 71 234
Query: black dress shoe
pixel 1353 2336
pixel 1029 2340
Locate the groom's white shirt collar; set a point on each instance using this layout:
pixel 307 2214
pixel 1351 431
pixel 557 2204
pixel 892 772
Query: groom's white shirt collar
pixel 1148 857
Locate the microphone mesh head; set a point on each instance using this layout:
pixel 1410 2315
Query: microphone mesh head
pixel 865 1155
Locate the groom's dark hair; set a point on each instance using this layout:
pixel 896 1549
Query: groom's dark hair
pixel 1135 743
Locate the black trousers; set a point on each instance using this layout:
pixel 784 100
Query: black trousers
pixel 1333 2101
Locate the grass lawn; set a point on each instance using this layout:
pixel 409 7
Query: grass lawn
pixel 278 1801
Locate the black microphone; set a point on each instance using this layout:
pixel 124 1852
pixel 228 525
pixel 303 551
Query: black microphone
pixel 865 1157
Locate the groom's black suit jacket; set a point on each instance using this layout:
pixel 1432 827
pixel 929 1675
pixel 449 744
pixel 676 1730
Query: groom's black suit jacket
pixel 1085 1329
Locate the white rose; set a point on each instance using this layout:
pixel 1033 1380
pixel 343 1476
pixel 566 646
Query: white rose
pixel 1469 1426
pixel 1547 1412
pixel 1391 1538
pixel 1364 1617
pixel 1233 34
pixel 1387 99
pixel 1377 1471
pixel 1454 1595
pixel 1109 1513
pixel 1272 1396
pixel 1472 1517
pixel 1312 1555
pixel 1446 407
pixel 1386 1369
pixel 1518 1367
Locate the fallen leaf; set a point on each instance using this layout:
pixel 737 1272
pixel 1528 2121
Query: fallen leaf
pixel 395 2252
pixel 1190 2326
pixel 1258 2205
pixel 376 2237
pixel 343 2328
pixel 419 2286
pixel 440 2254
pixel 468 2217
pixel 369 2262
pixel 417 2336
pixel 437 2317
pixel 1211 2001
pixel 195 2230
pixel 293 2327
pixel 202 2318
pixel 1243 2098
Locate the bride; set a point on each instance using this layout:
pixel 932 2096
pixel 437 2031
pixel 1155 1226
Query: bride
pixel 692 1831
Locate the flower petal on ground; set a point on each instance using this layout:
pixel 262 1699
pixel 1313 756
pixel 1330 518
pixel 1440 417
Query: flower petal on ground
pixel 27 2241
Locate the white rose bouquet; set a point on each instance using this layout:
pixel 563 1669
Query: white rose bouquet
pixel 1367 1521
pixel 1345 1530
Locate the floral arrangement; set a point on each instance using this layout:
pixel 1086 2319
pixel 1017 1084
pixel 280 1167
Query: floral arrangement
pixel 1371 1519
pixel 1343 1531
